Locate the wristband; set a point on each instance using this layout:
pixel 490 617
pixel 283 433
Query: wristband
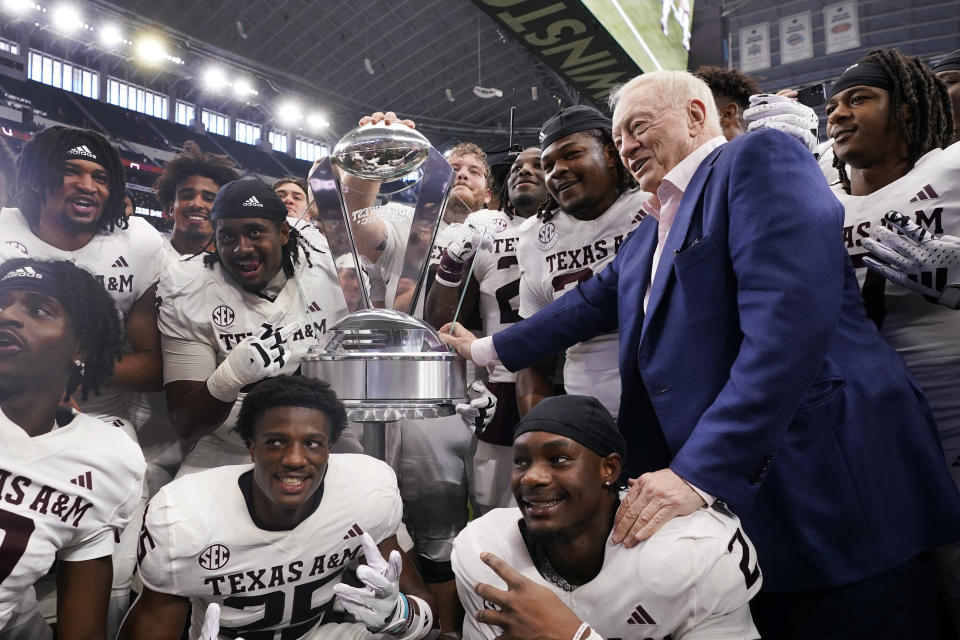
pixel 223 386
pixel 415 624
pixel 449 271
pixel 581 631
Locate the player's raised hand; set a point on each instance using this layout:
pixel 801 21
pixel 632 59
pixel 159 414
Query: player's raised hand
pixel 769 111
pixel 526 610
pixel 478 414
pixel 916 259
pixel 379 603
pixel 653 500
pixel 259 356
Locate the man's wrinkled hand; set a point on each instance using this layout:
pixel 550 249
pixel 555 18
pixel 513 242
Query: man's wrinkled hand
pixel 653 500
pixel 526 610
pixel 459 339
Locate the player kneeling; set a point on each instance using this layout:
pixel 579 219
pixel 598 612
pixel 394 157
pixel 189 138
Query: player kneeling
pixel 269 542
pixel 68 482
pixel 564 578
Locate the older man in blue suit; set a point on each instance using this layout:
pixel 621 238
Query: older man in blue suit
pixel 752 376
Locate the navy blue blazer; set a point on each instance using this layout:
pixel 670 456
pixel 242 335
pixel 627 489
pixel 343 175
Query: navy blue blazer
pixel 756 376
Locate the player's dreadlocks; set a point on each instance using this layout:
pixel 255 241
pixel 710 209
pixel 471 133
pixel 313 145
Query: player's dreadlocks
pixel 93 318
pixel 40 172
pixel 192 162
pixel 291 252
pixel 290 391
pixel 625 181
pixel 730 83
pixel 929 122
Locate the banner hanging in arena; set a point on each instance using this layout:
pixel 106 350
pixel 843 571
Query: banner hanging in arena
pixel 598 44
pixel 796 38
pixel 755 47
pixel 841 24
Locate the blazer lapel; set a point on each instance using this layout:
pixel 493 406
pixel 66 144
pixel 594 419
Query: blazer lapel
pixel 678 234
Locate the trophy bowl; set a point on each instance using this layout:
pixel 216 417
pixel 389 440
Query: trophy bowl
pixel 381 152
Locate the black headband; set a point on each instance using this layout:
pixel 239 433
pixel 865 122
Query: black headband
pixel 36 277
pixel 248 198
pixel 581 418
pixel 83 149
pixel 866 73
pixel 949 62
pixel 572 120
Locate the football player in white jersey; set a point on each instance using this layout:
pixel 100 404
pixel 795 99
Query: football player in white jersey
pixel 293 193
pixel 70 191
pixel 494 289
pixel 895 156
pixel 186 190
pixel 548 569
pixel 594 205
pixel 269 542
pixel 249 311
pixel 68 481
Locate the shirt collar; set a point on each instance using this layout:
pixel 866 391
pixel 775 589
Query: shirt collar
pixel 678 178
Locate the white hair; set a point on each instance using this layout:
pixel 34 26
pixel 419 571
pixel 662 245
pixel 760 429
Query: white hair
pixel 675 88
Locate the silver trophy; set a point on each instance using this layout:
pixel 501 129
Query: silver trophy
pixel 380 199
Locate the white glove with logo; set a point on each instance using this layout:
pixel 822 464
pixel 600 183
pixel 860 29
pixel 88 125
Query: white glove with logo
pixel 478 414
pixel 379 605
pixel 467 240
pixel 769 111
pixel 257 357
pixel 914 258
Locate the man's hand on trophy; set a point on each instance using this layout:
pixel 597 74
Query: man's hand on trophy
pixel 458 338
pixel 388 118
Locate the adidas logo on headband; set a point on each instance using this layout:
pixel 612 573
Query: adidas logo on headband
pixel 22 272
pixel 252 202
pixel 82 150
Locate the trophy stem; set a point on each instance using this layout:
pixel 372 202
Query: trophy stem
pixel 375 439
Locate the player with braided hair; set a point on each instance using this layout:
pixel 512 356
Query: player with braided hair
pixel 186 190
pixel 72 480
pixel 248 312
pixel 70 192
pixel 892 121
pixel 918 108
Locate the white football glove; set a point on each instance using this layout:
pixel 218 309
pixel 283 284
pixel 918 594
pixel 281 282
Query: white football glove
pixel 478 414
pixel 211 623
pixel 769 111
pixel 379 604
pixel 259 356
pixel 916 259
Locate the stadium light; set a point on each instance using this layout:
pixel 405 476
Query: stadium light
pixel 289 113
pixel 242 88
pixel 151 51
pixel 214 79
pixel 17 7
pixel 110 35
pixel 317 121
pixel 66 18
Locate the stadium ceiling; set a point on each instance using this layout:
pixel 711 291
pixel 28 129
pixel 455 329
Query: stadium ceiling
pixel 417 49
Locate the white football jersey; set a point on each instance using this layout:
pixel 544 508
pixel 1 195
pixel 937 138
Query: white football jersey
pixel 63 495
pixel 200 542
pixel 204 306
pixel 498 274
pixel 925 334
pixel 556 255
pixel 127 262
pixel 692 579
